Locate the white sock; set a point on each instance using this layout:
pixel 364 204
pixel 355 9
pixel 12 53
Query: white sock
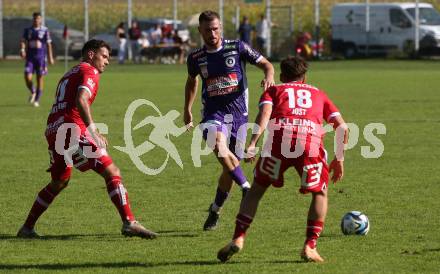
pixel 246 185
pixel 215 208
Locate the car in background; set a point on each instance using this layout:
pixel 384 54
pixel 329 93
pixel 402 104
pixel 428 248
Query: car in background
pixel 13 31
pixel 110 38
pixel 146 26
pixel 392 28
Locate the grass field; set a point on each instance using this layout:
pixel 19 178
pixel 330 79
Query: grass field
pixel 399 191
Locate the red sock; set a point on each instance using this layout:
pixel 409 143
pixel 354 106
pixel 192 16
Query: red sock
pixel 44 199
pixel 313 231
pixel 242 223
pixel 119 196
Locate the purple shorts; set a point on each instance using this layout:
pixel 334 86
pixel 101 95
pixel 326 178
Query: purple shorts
pixel 235 131
pixel 36 65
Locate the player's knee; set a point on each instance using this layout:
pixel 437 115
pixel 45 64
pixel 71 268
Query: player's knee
pixel 218 147
pixel 222 151
pixel 257 190
pixel 220 143
pixel 116 172
pixel 234 160
pixel 320 194
pixel 112 171
pixel 58 185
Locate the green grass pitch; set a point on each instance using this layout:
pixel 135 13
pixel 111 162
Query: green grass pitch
pixel 399 191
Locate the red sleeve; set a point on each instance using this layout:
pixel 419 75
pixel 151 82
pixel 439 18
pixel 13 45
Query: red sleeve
pixel 268 96
pixel 330 110
pixel 89 81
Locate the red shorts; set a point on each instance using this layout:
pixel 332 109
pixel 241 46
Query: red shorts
pixel 312 170
pixel 84 155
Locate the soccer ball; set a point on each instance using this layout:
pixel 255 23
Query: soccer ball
pixel 355 223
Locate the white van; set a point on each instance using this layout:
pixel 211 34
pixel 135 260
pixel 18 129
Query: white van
pixel 392 29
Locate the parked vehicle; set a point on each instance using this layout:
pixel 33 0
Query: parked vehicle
pixel 110 38
pixel 13 30
pixel 392 28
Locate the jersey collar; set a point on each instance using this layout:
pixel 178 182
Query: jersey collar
pixel 214 50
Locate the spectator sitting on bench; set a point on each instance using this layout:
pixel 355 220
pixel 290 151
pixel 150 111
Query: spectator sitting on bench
pixel 169 49
pixel 147 51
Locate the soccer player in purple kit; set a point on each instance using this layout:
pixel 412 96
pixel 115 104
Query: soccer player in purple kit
pixel 221 65
pixel 35 45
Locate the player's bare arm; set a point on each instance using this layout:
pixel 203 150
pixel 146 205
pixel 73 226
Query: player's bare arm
pixel 190 95
pixel 82 103
pixel 269 72
pixel 50 53
pixel 22 48
pixel 337 165
pixel 261 123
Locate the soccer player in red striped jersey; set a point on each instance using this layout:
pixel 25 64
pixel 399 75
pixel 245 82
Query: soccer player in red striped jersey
pixel 70 124
pixel 293 112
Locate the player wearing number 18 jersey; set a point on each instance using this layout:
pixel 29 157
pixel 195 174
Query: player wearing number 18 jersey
pixel 73 140
pixel 294 113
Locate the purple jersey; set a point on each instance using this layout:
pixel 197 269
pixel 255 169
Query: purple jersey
pixel 36 40
pixel 224 83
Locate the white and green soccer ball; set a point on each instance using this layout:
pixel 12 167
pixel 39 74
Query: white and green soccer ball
pixel 355 223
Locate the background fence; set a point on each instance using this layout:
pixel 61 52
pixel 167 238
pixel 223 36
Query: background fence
pixel 289 16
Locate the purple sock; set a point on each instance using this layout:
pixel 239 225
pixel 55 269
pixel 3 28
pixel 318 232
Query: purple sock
pixel 220 197
pixel 32 90
pixel 37 97
pixel 238 176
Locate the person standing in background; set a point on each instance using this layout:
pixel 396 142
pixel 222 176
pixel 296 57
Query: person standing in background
pixel 135 33
pixel 245 30
pixel 122 39
pixel 262 29
pixel 35 47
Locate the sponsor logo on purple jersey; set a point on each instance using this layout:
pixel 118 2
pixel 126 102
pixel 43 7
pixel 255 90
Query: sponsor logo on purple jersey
pixel 224 83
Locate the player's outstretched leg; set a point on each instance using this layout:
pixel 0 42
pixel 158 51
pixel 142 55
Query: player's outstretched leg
pixel 240 179
pixel 230 162
pixel 248 209
pixel 230 249
pixel 225 182
pixel 231 172
pixel 134 228
pixel 315 224
pixel 119 196
pixel 44 198
pixel 309 254
pixel 242 223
